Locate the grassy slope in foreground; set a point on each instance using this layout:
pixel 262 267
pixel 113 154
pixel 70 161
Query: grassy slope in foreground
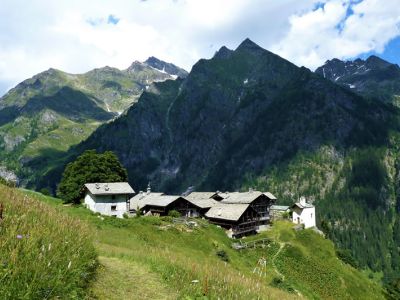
pixel 44 253
pixel 151 258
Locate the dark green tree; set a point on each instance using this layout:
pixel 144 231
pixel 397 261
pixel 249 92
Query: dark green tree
pixel 90 167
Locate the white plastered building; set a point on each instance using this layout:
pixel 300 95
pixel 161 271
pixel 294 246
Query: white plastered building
pixel 303 213
pixel 110 199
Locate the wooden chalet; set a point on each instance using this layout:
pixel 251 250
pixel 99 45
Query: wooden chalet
pixel 238 219
pixel 260 202
pixel 161 204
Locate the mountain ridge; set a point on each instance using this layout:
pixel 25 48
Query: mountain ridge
pixel 54 109
pixel 373 77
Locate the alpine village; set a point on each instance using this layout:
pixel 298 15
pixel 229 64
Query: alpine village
pixel 249 177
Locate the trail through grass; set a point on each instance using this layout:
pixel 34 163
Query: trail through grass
pixel 124 279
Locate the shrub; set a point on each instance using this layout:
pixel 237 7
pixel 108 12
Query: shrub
pixel 223 255
pixel 167 219
pixel 174 213
pixel 279 283
pixel 345 256
pixel 45 191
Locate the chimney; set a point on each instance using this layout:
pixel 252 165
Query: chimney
pixel 148 189
pixel 106 187
pixel 219 211
pixel 303 201
pixel 250 190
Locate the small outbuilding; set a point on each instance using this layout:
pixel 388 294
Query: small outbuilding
pixel 111 199
pixel 303 213
pixel 278 211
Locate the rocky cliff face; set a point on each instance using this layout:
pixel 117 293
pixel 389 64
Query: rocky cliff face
pixel 373 77
pixel 165 67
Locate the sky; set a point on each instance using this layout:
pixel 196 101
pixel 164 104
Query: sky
pixel 76 36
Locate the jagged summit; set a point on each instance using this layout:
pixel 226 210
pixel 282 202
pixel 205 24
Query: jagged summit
pixel 248 44
pixel 371 77
pixel 165 67
pixel 223 52
pixel 377 62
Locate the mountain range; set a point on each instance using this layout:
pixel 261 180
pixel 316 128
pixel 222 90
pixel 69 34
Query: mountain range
pixel 54 110
pixel 246 118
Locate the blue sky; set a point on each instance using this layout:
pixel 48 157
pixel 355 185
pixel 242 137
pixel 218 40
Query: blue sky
pixel 391 52
pixel 77 36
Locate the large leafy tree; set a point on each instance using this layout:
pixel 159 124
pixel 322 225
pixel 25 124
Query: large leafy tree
pixel 90 167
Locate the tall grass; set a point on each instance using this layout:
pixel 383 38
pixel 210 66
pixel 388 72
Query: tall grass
pixel 43 252
pixel 185 260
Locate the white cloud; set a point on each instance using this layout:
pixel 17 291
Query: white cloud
pixel 331 31
pixel 76 36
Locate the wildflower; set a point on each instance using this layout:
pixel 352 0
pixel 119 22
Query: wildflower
pixel 69 265
pixel 19 236
pixel 49 246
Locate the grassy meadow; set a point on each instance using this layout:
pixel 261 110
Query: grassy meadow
pixel 44 253
pixel 154 258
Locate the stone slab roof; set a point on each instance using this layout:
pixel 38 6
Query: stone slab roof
pixel 109 188
pixel 231 212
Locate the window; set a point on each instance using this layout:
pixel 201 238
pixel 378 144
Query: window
pixel 113 207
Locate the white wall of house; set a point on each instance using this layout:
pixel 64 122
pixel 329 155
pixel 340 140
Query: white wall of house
pixel 106 205
pixel 304 216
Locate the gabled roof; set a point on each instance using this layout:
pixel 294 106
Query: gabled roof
pixel 109 188
pixel 270 195
pixel 279 207
pixel 302 205
pixel 231 212
pixel 152 199
pixel 241 198
pixel 202 199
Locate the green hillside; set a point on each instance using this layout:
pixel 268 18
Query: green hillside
pixel 45 115
pixel 154 258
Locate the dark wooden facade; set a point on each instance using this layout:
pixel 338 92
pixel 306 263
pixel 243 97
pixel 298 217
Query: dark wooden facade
pixel 184 207
pixel 262 206
pixel 247 223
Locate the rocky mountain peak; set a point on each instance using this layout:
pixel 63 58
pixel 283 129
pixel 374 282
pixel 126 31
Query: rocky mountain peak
pixel 165 67
pixel 248 44
pixel 371 77
pixel 377 62
pixel 223 52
